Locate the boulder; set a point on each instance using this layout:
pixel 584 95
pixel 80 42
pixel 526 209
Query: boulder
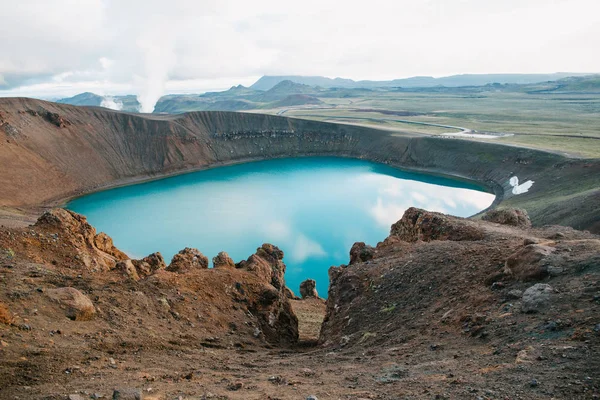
pixel 536 298
pixel 529 263
pixel 188 259
pixel 417 224
pixel 361 252
pixel 77 306
pixel 128 269
pixel 508 216
pixel 222 260
pixel 308 288
pixel 128 394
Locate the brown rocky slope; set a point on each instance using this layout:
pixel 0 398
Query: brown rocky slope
pixel 49 152
pixel 443 308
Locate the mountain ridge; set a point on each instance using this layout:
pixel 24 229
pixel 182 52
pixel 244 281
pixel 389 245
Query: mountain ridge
pixel 268 81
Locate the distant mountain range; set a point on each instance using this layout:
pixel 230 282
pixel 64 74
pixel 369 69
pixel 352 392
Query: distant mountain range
pixel 287 93
pixel 267 82
pixel 125 103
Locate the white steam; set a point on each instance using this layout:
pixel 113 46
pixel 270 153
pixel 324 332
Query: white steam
pixel 158 60
pixel 110 102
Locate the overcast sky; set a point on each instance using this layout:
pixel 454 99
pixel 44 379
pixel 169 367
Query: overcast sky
pixel 148 47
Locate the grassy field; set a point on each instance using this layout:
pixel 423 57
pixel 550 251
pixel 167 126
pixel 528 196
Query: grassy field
pixel 566 122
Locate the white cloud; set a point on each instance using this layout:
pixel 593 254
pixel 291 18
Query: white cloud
pixel 150 46
pixel 305 248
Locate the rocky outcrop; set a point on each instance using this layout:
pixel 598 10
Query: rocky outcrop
pixel 361 252
pixel 76 305
pixel 277 320
pixel 508 216
pixel 417 224
pixel 104 243
pixel 188 259
pixel 308 289
pixel 222 260
pixel 149 264
pixel 95 251
pixel 437 273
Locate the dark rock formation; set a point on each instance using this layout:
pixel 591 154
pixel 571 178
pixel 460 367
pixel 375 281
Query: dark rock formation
pixel 417 224
pixel 537 298
pixel 361 252
pixel 437 273
pixel 188 259
pixel 508 216
pixel 308 289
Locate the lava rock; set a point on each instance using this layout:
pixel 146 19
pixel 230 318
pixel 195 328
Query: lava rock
pixel 509 216
pixel 188 259
pixel 417 224
pixel 308 289
pixel 536 298
pixel 222 260
pixel 361 252
pixel 77 305
pixel 529 263
pixel 127 394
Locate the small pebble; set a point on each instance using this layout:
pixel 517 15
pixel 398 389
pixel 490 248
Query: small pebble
pixel 533 383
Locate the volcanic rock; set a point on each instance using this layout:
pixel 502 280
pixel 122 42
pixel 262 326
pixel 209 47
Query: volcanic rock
pixel 417 224
pixel 94 250
pixel 536 298
pixel 361 252
pixel 273 309
pixel 508 216
pixel 529 263
pixel 127 394
pixel 222 260
pixel 188 259
pixel 150 264
pixel 128 269
pixel 77 306
pixel 308 288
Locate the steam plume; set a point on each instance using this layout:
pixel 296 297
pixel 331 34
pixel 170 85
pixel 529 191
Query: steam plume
pixel 110 102
pixel 158 58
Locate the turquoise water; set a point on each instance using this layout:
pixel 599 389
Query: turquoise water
pixel 314 209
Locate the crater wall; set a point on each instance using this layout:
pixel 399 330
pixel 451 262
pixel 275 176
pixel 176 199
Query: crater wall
pixel 50 152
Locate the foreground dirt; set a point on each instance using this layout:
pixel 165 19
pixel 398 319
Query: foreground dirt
pixel 442 309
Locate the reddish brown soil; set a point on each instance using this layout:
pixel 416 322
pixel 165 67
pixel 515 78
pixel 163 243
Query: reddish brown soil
pixel 416 319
